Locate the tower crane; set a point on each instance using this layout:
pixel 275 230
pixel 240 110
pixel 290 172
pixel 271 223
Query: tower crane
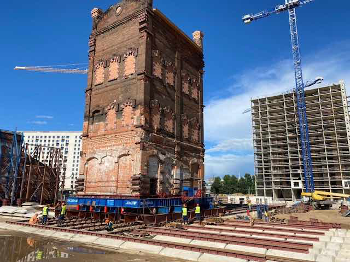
pixel 56 69
pixel 290 6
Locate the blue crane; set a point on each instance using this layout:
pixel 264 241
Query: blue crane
pixel 290 6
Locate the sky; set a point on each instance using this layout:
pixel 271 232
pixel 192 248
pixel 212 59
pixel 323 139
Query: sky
pixel 242 61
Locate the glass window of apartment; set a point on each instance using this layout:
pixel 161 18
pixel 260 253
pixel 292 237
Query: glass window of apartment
pixel 58 136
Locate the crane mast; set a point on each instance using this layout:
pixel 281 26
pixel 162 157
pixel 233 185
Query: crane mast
pixel 290 6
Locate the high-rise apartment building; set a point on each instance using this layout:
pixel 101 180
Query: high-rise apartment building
pixel 277 151
pixel 70 145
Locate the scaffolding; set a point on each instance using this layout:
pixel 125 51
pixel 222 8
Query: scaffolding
pixel 23 177
pixel 277 151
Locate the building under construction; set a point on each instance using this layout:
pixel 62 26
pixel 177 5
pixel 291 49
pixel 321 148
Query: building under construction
pixel 22 176
pixel 277 150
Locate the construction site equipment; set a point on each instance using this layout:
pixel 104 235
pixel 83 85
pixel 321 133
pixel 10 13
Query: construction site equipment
pixel 290 6
pixel 322 199
pixel 55 69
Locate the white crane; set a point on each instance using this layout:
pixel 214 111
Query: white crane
pixel 56 69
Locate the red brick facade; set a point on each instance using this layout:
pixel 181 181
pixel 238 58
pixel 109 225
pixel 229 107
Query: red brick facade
pixel 143 122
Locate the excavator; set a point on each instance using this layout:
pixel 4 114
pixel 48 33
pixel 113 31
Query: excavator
pixel 322 199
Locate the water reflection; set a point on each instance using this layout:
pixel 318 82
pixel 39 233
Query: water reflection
pixel 25 249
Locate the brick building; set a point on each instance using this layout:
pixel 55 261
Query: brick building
pixel 143 122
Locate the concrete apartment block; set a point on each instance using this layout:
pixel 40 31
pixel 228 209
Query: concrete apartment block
pixel 70 144
pixel 277 151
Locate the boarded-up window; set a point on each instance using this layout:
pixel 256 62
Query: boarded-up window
pixel 157 70
pixel 128 116
pixel 113 70
pixel 170 78
pixel 99 74
pixel 130 65
pixel 169 123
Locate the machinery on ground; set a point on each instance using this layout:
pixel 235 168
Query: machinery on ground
pixel 322 199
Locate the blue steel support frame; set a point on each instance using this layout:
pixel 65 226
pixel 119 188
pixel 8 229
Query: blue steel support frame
pixel 299 82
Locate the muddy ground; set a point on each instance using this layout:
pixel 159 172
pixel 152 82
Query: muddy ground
pixel 328 216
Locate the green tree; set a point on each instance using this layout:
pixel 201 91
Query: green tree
pixel 227 185
pixel 216 187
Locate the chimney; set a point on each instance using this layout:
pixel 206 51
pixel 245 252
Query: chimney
pixel 198 38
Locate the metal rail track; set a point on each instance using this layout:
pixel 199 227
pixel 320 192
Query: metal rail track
pixel 296 224
pixel 166 244
pixel 236 240
pixel 280 228
pixel 237 231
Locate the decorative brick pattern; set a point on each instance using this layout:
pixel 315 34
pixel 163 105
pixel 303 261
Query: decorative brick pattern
pixel 99 73
pixel 130 66
pixel 169 121
pixel 157 70
pixel 114 69
pixel 128 115
pixel 170 78
pixel 185 128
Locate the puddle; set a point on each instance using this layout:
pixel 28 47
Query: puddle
pixel 18 247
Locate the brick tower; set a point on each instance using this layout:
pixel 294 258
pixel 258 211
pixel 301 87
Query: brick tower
pixel 143 121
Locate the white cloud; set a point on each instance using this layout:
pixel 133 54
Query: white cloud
pixel 38 122
pixel 230 131
pixel 228 164
pixel 44 117
pixel 235 144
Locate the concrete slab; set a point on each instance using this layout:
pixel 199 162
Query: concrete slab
pixel 329 252
pixel 341 259
pixel 216 258
pixel 340 234
pixel 325 258
pixel 46 233
pixel 256 250
pixel 320 244
pixel 266 237
pixel 344 253
pixel 299 241
pixel 63 235
pixel 345 246
pixel 315 250
pixel 325 238
pixel 84 238
pixel 280 232
pixel 337 239
pixel 347 240
pixel 108 242
pixel 330 233
pixel 294 255
pixel 249 229
pixel 173 239
pixel 348 234
pixel 141 247
pixel 333 246
pixel 29 230
pixel 184 254
pixel 208 244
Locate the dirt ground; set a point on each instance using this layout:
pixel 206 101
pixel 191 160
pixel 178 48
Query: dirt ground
pixel 328 216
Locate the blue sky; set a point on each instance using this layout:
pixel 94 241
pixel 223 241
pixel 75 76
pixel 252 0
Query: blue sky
pixel 241 61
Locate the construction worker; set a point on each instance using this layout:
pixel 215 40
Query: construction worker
pixel 45 214
pixel 109 225
pixel 198 214
pixel 184 215
pixel 34 220
pixel 249 202
pixel 266 215
pixel 62 214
